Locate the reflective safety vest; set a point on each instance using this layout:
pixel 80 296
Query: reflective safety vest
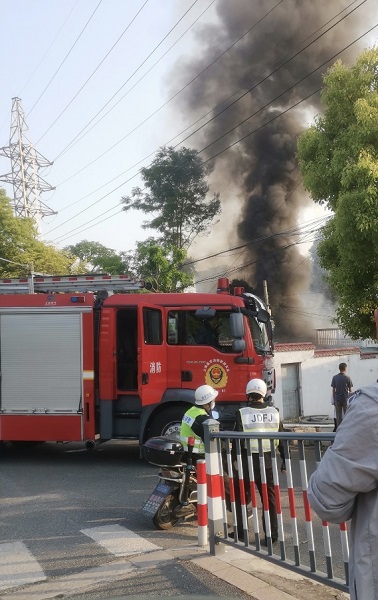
pixel 258 420
pixel 186 430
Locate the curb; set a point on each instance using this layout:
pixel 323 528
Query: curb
pixel 262 579
pixel 252 575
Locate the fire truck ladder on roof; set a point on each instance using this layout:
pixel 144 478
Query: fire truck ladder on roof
pixel 70 284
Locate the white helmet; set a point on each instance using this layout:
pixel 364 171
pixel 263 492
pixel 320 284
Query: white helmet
pixel 256 386
pixel 205 394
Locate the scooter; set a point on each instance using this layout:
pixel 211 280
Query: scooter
pixel 175 495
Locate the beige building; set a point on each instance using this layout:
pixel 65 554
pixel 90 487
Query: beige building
pixel 304 374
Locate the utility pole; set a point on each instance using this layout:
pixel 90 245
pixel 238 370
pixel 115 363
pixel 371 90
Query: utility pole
pixel 25 164
pixel 266 297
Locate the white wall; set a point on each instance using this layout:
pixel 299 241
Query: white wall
pixel 316 369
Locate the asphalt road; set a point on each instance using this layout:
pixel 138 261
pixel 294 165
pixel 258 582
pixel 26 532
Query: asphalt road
pixel 54 498
pixel 182 580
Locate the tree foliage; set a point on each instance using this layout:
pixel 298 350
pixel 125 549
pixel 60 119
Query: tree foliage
pixel 20 247
pixel 95 257
pixel 338 158
pixel 241 283
pixel 176 196
pixel 162 266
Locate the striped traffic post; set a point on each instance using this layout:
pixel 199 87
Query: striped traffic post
pixel 292 506
pixel 253 492
pixel 265 498
pixel 326 535
pixel 242 495
pixel 202 503
pixel 325 526
pixel 306 505
pixel 277 494
pixel 345 549
pixel 231 489
pixel 214 487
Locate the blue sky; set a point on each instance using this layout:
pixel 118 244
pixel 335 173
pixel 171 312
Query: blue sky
pixel 36 38
pixel 67 60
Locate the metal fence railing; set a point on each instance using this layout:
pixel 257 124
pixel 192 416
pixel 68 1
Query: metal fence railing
pixel 305 544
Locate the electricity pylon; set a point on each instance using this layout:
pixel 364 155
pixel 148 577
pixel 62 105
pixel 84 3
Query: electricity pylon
pixel 25 163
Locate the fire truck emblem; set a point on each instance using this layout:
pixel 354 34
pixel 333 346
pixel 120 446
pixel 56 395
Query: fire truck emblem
pixel 216 376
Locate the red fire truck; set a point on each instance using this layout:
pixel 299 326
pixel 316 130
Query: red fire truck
pixel 79 362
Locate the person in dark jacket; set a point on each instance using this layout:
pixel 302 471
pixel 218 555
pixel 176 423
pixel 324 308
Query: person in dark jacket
pixel 341 387
pixel 258 416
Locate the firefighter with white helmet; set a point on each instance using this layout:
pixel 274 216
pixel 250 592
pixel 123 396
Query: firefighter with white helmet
pixel 259 416
pixel 192 421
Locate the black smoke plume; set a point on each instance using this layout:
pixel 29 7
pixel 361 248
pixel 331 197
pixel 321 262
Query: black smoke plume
pixel 263 168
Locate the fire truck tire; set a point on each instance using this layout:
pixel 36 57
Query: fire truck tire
pixel 168 422
pixel 164 517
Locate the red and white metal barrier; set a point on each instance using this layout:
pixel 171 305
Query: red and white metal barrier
pixel 228 503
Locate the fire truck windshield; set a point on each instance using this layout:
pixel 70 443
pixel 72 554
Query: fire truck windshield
pixel 185 328
pixel 260 335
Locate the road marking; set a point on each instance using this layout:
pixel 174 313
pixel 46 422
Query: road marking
pixel 18 566
pixel 119 541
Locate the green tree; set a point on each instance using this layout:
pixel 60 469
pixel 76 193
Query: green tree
pixel 176 195
pixel 338 158
pixel 95 257
pixel 162 266
pixel 241 283
pixel 20 247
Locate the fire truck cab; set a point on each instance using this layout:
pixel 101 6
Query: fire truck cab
pixel 92 365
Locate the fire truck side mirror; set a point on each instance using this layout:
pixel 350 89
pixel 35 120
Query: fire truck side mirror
pixel 205 313
pixel 238 345
pixel 263 316
pixel 237 325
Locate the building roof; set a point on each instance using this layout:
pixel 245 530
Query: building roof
pixel 336 351
pixel 294 347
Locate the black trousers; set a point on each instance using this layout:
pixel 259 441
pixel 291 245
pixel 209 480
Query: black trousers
pixel 247 491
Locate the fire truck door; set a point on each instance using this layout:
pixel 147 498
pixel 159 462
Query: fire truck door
pixel 152 362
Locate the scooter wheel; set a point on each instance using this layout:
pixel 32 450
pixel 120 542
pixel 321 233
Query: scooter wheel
pixel 165 518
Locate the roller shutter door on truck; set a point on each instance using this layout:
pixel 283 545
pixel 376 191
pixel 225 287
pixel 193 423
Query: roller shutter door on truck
pixel 41 364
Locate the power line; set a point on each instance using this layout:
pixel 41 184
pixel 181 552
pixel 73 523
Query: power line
pixel 251 262
pixel 236 126
pixel 241 245
pixel 127 80
pixel 263 239
pixel 204 162
pixel 62 63
pixel 225 100
pixel 98 66
pixel 267 77
pixel 49 48
pixel 282 94
pixel 247 118
pixel 77 139
pixel 13 262
pixel 44 56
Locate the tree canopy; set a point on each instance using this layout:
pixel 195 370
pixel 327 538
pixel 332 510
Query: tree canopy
pixel 176 196
pixel 95 257
pixel 338 158
pixel 162 266
pixel 20 247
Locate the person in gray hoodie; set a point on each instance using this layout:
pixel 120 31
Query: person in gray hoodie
pixel 345 486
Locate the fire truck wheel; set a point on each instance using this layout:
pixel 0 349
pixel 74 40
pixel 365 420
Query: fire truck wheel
pixel 168 422
pixel 165 517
